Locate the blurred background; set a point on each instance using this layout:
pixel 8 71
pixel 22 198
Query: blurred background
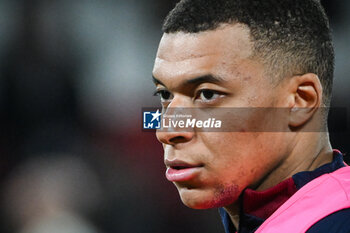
pixel 74 76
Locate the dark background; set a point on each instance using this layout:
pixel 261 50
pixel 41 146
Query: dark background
pixel 74 76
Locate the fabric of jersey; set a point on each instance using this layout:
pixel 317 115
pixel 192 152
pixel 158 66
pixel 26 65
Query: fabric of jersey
pixel 257 206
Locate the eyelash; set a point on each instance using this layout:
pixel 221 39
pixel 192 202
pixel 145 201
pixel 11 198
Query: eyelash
pixel 199 92
pixel 160 92
pixel 197 95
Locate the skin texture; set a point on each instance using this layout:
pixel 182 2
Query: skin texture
pixel 233 161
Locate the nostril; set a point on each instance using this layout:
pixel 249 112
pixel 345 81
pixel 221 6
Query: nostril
pixel 178 139
pixel 173 138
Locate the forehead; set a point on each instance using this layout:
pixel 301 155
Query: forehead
pixel 191 53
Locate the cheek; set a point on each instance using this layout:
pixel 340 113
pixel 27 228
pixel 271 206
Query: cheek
pixel 233 162
pixel 229 158
pixel 228 148
pixel 243 157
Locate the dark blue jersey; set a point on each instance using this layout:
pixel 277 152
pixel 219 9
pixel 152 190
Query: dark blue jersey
pixel 256 206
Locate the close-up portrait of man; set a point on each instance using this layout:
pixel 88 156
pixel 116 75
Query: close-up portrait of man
pixel 175 116
pixel 271 54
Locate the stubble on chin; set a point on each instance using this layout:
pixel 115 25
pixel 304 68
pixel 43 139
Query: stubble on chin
pixel 225 195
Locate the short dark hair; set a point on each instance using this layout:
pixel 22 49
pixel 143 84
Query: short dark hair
pixel 290 36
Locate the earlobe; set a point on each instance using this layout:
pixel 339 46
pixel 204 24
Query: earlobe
pixel 307 92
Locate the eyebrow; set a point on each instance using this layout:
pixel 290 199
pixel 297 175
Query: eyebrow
pixel 156 81
pixel 196 81
pixel 204 79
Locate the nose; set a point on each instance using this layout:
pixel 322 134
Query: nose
pixel 173 138
pixel 175 135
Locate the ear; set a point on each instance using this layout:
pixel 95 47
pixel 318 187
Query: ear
pixel 306 93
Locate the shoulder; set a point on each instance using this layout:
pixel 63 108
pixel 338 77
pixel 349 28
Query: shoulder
pixel 337 222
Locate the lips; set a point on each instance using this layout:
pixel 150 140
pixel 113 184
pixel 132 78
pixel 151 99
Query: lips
pixel 181 171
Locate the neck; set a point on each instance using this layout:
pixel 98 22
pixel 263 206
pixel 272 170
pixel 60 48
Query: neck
pixel 233 210
pixel 310 151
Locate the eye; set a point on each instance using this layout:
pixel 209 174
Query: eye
pixel 208 95
pixel 164 95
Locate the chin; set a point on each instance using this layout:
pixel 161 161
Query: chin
pixel 207 199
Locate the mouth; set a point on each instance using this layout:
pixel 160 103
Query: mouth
pixel 178 171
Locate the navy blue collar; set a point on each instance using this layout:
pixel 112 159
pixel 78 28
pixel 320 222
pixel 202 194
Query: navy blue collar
pixel 249 223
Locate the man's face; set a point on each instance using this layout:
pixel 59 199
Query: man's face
pixel 212 168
